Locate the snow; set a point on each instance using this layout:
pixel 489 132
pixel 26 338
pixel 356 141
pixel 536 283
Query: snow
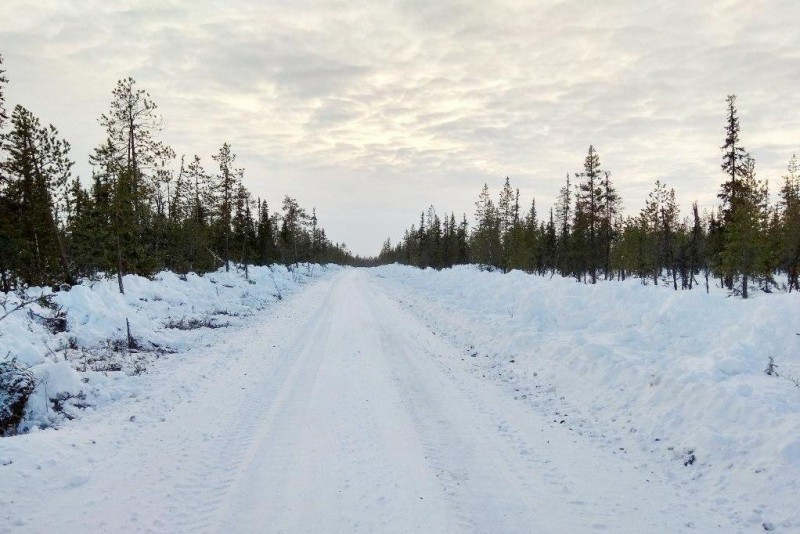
pixel 655 370
pixel 85 365
pixel 401 400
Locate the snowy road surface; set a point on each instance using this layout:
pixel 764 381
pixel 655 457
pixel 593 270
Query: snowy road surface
pixel 336 411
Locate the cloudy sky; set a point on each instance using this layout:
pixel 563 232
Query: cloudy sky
pixel 371 111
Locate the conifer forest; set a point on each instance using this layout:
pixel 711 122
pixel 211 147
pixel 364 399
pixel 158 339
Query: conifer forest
pixel 747 241
pixel 144 209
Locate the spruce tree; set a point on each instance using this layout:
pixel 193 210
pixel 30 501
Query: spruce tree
pixel 6 217
pixel 589 210
pixel 697 246
pixel 486 239
pixel 464 252
pixel 267 251
pixel 563 220
pixel 611 203
pixel 744 230
pixel 789 224
pixel 734 161
pixel 549 237
pixel 3 82
pixel 734 158
pixel 505 207
pixel 243 231
pixel 82 240
pixel 660 217
pixel 37 170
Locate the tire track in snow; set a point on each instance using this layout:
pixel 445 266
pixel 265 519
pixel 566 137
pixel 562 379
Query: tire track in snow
pixel 559 480
pixel 197 500
pixel 287 389
pixel 361 420
pixel 485 488
pixel 340 456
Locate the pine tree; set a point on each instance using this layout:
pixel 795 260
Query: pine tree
pixel 140 162
pixel 226 184
pixel 114 215
pixel 292 229
pixel 131 126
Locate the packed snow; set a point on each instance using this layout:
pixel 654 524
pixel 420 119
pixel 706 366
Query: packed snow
pixel 89 363
pixel 678 377
pixel 401 400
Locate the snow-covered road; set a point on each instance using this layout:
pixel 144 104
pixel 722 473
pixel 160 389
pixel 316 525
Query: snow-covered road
pixel 336 411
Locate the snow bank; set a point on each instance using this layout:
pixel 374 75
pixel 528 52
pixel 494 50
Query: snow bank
pixel 91 363
pixel 679 374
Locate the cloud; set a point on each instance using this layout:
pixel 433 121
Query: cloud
pixel 383 108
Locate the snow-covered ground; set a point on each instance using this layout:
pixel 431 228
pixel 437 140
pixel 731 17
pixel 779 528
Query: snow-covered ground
pixel 398 400
pixel 674 381
pixel 89 363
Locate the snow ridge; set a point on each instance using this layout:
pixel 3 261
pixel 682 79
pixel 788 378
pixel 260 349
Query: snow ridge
pixel 678 375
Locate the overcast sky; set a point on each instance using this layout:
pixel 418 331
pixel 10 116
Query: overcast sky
pixel 371 111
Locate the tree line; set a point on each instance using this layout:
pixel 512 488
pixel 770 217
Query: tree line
pixel 143 210
pixel 744 242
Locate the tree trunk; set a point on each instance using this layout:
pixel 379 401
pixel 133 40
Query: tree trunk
pixel 119 266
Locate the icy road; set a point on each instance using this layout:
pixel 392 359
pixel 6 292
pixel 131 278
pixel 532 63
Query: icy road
pixel 336 411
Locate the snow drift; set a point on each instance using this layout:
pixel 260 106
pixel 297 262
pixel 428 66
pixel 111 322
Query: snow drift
pixel 75 343
pixel 680 374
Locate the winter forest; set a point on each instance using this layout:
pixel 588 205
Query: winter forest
pixel 746 242
pixel 145 210
pixel 187 344
pixel 142 211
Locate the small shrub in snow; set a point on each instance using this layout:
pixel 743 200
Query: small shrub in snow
pixel 793 379
pixel 16 385
pixel 772 370
pixel 194 324
pixel 15 302
pixel 771 367
pixel 55 322
pixel 66 404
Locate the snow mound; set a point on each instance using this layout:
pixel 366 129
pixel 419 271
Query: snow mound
pixel 679 374
pixel 90 361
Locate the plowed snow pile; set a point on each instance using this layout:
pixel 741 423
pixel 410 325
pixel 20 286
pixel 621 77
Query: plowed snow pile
pixel 88 362
pixel 680 375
